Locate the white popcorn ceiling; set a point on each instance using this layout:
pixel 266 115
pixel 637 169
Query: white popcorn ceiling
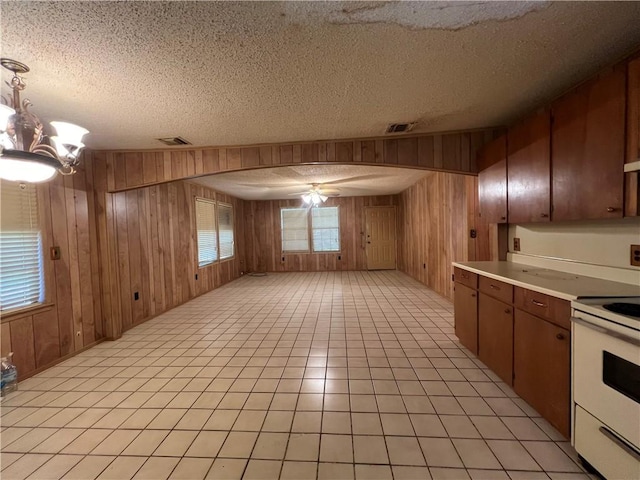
pixel 238 73
pixel 282 183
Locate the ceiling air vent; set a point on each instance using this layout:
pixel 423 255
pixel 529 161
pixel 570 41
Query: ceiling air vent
pixel 400 127
pixel 172 141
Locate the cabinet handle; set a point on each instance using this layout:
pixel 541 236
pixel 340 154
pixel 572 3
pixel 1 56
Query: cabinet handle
pixel 507 310
pixel 538 304
pixel 560 336
pixel 495 287
pixel 544 215
pixel 611 209
pixel 473 294
pixel 464 275
pixel 503 218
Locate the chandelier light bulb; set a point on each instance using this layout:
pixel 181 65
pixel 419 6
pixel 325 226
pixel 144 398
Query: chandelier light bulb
pixel 5 114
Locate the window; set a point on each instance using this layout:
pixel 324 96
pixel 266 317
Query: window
pixel 21 272
pixel 325 225
pixel 295 230
pixel 206 228
pixel 225 228
pixel 325 229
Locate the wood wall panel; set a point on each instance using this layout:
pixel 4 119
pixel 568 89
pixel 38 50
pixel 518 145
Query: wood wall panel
pixel 157 252
pixel 435 217
pixel 451 152
pixel 263 236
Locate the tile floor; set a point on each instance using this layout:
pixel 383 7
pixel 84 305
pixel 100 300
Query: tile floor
pixel 291 376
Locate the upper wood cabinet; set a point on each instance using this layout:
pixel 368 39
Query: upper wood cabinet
pixel 529 169
pixel 492 181
pixel 632 180
pixel 587 149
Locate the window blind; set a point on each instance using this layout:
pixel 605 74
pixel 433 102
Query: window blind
pixel 325 225
pixel 206 228
pixel 225 230
pixel 295 230
pixel 21 271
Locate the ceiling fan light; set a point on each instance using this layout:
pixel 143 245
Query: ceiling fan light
pixel 5 114
pixel 18 170
pixel 306 198
pixel 65 149
pixel 323 198
pixel 69 134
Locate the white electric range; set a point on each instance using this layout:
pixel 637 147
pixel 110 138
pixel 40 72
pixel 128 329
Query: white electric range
pixel 606 385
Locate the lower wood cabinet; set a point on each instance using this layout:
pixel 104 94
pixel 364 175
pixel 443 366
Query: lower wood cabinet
pixel 495 336
pixel 465 301
pixel 541 362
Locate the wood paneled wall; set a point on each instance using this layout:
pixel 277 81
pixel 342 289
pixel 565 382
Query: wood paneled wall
pixel 155 232
pixel 264 240
pixel 435 217
pixel 71 318
pixel 452 152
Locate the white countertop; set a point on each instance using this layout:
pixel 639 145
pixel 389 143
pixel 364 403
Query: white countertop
pixel 559 284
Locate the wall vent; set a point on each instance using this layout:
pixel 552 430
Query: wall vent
pixel 172 141
pixel 399 127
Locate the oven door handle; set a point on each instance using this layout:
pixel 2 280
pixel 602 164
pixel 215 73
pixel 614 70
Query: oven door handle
pixel 623 444
pixel 606 331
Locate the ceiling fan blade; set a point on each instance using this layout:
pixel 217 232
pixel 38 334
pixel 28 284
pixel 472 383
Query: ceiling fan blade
pixel 357 178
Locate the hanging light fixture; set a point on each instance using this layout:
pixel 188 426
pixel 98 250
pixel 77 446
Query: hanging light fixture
pixel 314 197
pixel 24 155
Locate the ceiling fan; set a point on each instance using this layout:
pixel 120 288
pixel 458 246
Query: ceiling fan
pixel 317 195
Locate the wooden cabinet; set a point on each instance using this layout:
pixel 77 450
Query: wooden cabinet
pixel 529 169
pixel 541 363
pixel 632 179
pixel 465 301
pixel 495 336
pixel 587 148
pixel 492 181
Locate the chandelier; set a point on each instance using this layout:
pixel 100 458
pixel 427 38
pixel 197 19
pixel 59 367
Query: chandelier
pixel 26 153
pixel 314 197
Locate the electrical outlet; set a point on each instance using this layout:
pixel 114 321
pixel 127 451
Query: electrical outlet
pixel 424 265
pixel 339 257
pixel 136 296
pixel 55 253
pixel 635 255
pixel 516 244
pixel 196 276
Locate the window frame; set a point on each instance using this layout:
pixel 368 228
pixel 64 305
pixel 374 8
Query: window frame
pixel 313 249
pixel 310 247
pixel 215 219
pixel 233 230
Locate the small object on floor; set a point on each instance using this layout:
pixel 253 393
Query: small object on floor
pixel 9 374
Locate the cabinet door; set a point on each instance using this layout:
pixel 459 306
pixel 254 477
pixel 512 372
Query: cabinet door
pixel 495 336
pixel 466 316
pixel 529 169
pixel 632 180
pixel 542 368
pixel 587 149
pixel 492 181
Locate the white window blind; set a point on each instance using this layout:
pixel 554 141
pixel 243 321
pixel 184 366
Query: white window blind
pixel 325 225
pixel 206 227
pixel 21 272
pixel 225 230
pixel 295 230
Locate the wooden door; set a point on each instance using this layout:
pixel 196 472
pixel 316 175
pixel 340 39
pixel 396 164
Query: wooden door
pixel 632 179
pixel 466 316
pixel 495 336
pixel 380 238
pixel 529 169
pixel 587 149
pixel 492 181
pixel 542 368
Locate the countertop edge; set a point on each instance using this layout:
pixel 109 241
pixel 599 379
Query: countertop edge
pixel 518 283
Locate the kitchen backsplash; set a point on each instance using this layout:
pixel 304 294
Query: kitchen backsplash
pixel 594 248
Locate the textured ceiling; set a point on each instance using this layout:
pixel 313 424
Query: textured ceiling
pixel 281 183
pixel 230 73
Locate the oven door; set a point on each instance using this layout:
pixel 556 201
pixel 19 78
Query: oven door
pixel 606 374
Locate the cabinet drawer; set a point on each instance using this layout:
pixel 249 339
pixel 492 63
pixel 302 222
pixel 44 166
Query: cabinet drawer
pixel 494 288
pixel 555 310
pixel 466 278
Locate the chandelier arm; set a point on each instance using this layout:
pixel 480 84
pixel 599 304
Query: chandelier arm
pixel 43 149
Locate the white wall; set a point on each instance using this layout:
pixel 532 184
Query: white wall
pixel 582 245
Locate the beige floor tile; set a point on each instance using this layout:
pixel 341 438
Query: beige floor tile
pixel 157 468
pixel 459 426
pixel 258 401
pixel 63 417
pixel 299 471
pixel 335 471
pixel 366 424
pixel 370 449
pixel 391 404
pixel 146 442
pixel 194 419
pixel 191 468
pixel 336 402
pixel 396 424
pixel 336 422
pixel 487 474
pixel 114 418
pixel 89 467
pixel 404 451
pixel 551 457
pixel 56 468
pixel 122 467
pixel 58 440
pixel 363 403
pixel 86 442
pixel 227 469
pixel 262 470
pixel 303 447
pixel 307 422
pixel 29 440
pixel 440 452
pixel 512 455
pixel 175 444
pixel 410 473
pixel 222 420
pixel 475 454
pixel 491 428
pixel 439 473
pixel 270 446
pixel 336 448
pixel 524 428
pixel 167 419
pixel 88 418
pixel 116 442
pixel 207 444
pixel 284 401
pixel 7 459
pixel 238 445
pixel 373 472
pixel 250 420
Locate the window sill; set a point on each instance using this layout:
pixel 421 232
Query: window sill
pixel 11 315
